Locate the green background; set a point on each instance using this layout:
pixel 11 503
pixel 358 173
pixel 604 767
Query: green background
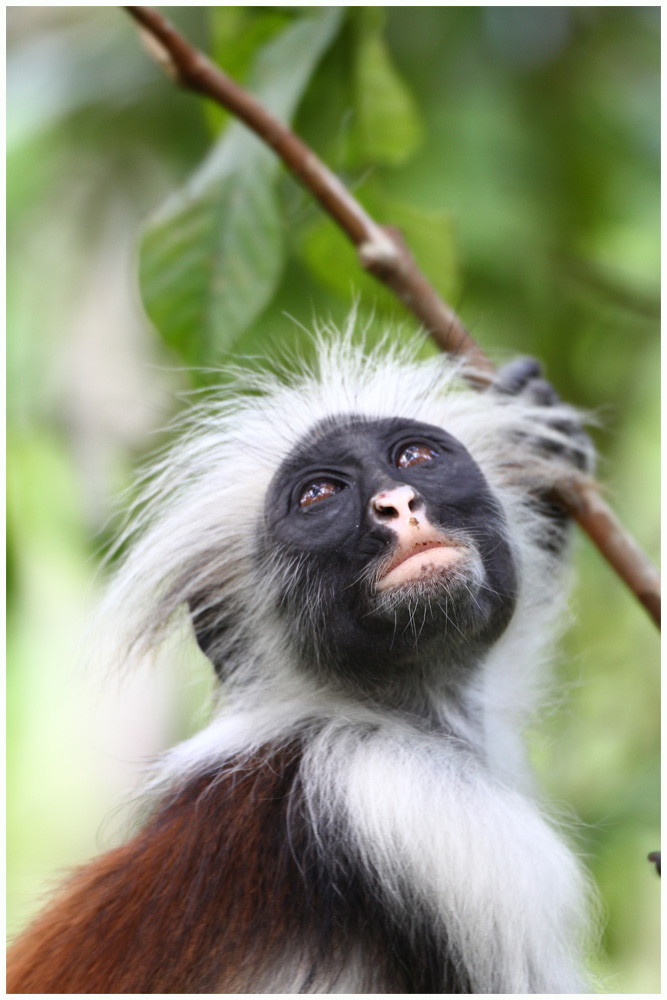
pixel 518 150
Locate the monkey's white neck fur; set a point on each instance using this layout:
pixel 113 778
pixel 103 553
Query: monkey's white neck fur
pixel 445 837
pixel 430 820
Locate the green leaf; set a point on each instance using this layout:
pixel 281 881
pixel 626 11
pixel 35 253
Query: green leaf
pixel 211 259
pixel 389 127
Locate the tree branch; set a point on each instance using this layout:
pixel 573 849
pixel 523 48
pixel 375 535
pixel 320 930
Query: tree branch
pixel 383 253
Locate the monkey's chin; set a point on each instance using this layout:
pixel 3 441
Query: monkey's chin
pixel 432 563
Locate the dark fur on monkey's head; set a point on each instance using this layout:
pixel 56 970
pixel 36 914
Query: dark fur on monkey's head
pixel 263 522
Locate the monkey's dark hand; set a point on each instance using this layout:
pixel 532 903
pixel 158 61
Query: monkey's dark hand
pixel 523 377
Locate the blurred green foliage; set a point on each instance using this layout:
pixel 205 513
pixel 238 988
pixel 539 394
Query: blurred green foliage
pixel 518 150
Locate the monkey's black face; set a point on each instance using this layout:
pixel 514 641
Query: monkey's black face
pixel 390 549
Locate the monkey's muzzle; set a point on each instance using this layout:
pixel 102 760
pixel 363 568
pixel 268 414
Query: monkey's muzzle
pixel 421 559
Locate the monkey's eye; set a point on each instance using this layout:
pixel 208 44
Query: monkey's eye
pixel 318 490
pixel 414 454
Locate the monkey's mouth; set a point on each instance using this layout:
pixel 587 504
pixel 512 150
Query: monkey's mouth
pixel 421 560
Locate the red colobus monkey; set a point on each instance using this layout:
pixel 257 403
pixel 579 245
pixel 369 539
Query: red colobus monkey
pixel 371 560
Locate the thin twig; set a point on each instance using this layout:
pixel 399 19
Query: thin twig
pixel 383 253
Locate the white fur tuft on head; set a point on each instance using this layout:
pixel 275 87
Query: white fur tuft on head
pixel 199 510
pixel 195 521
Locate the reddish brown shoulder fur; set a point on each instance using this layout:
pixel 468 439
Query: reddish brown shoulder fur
pixel 199 901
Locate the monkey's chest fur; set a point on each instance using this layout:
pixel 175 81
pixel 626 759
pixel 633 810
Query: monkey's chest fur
pixel 357 859
pixel 296 908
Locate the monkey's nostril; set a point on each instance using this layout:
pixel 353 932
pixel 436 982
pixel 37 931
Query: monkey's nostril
pixel 396 503
pixel 385 510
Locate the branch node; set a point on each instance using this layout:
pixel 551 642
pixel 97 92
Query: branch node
pixel 379 254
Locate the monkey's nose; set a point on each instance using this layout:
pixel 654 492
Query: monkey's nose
pixel 400 503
